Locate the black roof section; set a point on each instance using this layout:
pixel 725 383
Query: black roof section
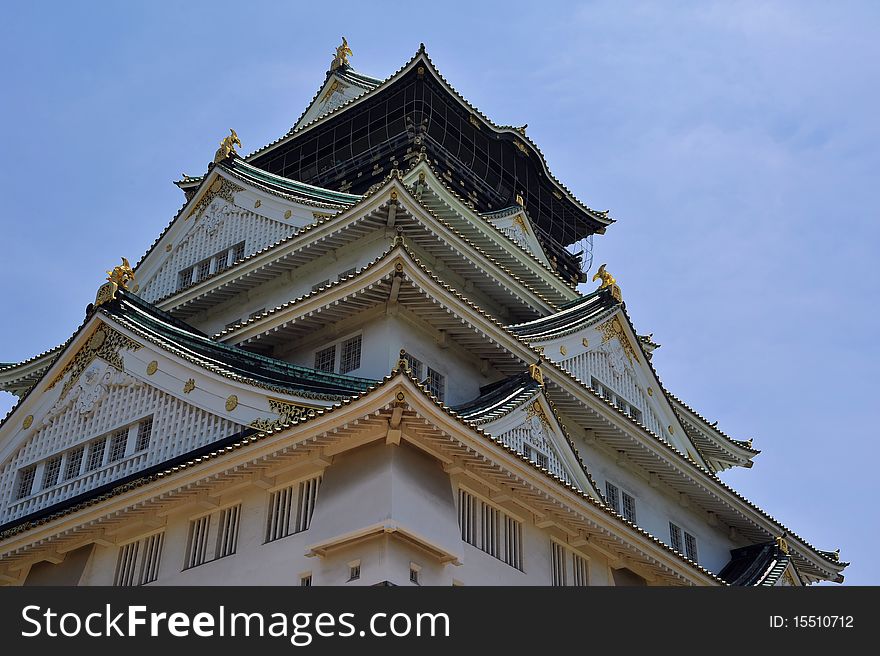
pixel 572 315
pixel 498 398
pixel 179 337
pixel 756 565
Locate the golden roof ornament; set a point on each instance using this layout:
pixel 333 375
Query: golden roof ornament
pixel 119 277
pixel 343 52
pixel 608 281
pixel 782 544
pixel 227 147
pixel 536 373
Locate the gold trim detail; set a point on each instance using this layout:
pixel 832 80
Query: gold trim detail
pixel 258 203
pixel 152 368
pixel 585 342
pixel 288 214
pixel 521 222
pixel 537 410
pixel 333 89
pixel 227 146
pixel 536 374
pixel 287 412
pixel 231 402
pixel 563 350
pixel 320 215
pixel 608 281
pixel 225 190
pixel 522 147
pixel 650 391
pixel 104 343
pixel 475 122
pixel 613 328
pixel 168 248
pixel 782 544
pixel 119 277
pixel 28 421
pixel 189 386
pixel 343 52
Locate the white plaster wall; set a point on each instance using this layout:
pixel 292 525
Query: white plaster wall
pixel 657 506
pixel 385 558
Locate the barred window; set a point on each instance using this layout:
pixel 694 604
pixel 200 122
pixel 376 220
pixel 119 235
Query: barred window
pixel 557 564
pixel 25 482
pixel 306 580
pixel 138 562
pixel 74 463
pixel 690 546
pixel 629 507
pixel 580 571
pixel 541 459
pixel 118 443
pixel 325 359
pixel 227 534
pixel 51 470
pixel 291 509
pixel 496 532
pixel 350 357
pixel 436 383
pixel 238 252
pixel 612 496
pixel 675 537
pixel 145 432
pixel 96 454
pixel 197 541
pixel 354 571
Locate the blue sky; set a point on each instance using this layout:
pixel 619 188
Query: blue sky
pixel 737 145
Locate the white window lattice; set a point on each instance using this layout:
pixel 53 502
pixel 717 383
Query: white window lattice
pixel 350 356
pixel 51 470
pixel 629 507
pixel 291 509
pixel 675 540
pixel 145 432
pixel 138 562
pixel 690 546
pixel 325 359
pixel 612 496
pixel 414 364
pixel 118 442
pixel 25 482
pixel 436 383
pixel 96 454
pixel 73 466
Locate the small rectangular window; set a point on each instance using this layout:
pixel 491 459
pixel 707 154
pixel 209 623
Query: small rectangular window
pixel 197 541
pixel 629 507
pixel 436 384
pixel 227 532
pixel 580 571
pixel 415 365
pixel 495 532
pixel 675 537
pixel 690 546
pixel 325 359
pixel 203 269
pixel 117 445
pixel 305 581
pixel 238 252
pixel 184 278
pixel 291 509
pixel 557 564
pixel 354 572
pixel 612 496
pixel 350 356
pixel 96 454
pixel 145 432
pixel 74 463
pixel 26 482
pixel 138 562
pixel 414 571
pixel 51 470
